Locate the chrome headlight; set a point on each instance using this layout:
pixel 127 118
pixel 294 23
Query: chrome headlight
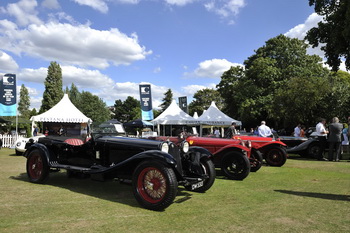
pixel 185 146
pixel 18 144
pixel 164 147
pixel 248 144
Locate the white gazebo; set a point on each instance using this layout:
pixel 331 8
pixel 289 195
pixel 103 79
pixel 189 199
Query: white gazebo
pixel 63 112
pixel 214 117
pixel 174 115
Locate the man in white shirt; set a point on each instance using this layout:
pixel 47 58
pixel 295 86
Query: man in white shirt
pixel 297 131
pixel 322 136
pixel 264 130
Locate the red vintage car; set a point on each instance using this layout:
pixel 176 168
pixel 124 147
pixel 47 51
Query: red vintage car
pixel 273 150
pixel 234 157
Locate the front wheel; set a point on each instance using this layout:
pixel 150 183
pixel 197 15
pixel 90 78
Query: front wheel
pixel 314 150
pixel 154 185
pixel 235 165
pixel 256 160
pixel 276 157
pixel 208 169
pixel 37 167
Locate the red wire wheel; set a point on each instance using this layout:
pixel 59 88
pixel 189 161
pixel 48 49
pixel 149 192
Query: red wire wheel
pixel 155 185
pixel 152 184
pixel 37 167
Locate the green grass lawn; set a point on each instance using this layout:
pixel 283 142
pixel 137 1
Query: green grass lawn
pixel 302 196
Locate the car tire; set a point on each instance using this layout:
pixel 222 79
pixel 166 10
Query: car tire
pixel 276 156
pixel 313 150
pixel 209 169
pixel 37 167
pixel 256 160
pixel 235 165
pixel 154 185
pixel 18 152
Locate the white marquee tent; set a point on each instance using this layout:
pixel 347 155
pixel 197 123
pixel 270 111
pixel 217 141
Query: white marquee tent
pixel 174 115
pixel 64 112
pixel 213 116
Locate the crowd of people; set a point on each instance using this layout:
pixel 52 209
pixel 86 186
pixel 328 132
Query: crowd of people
pixel 335 135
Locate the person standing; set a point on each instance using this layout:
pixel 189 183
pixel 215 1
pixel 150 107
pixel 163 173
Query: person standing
pixel 322 136
pixel 335 131
pixel 264 130
pixel 297 130
pixel 231 131
pixel 216 132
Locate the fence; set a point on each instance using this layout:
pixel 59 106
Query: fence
pixel 8 140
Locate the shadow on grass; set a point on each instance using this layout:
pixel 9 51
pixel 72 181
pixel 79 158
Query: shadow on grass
pixel 110 190
pixel 327 196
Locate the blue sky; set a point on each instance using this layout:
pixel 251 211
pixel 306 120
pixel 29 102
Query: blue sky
pixel 109 47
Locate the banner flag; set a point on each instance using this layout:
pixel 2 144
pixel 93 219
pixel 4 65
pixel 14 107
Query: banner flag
pixel 146 102
pixel 8 96
pixel 183 103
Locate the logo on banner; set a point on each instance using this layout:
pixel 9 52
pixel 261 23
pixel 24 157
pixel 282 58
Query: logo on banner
pixel 146 102
pixel 8 95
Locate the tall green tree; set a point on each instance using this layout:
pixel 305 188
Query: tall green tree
pixel 333 33
pixel 166 101
pixel 127 110
pixel 203 99
pixel 93 107
pixel 53 87
pixel 74 94
pixel 24 102
pixel 255 93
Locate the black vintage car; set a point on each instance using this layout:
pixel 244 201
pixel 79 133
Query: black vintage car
pixel 154 168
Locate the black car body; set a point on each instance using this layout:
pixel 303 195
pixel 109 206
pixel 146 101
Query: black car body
pixel 154 168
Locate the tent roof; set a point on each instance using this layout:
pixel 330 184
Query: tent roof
pixel 213 116
pixel 64 111
pixel 174 115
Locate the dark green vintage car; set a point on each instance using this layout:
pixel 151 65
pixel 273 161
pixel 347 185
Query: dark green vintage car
pixel 154 168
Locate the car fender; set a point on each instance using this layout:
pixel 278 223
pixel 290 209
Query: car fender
pixel 261 145
pixel 163 157
pixel 203 152
pixel 301 147
pixel 234 147
pixel 43 149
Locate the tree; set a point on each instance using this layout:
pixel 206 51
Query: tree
pixel 24 102
pixel 93 107
pixel 202 101
pixel 128 110
pixel 53 87
pixel 166 100
pixel 256 92
pixel 333 33
pixel 74 94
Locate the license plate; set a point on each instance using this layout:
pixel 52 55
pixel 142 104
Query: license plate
pixel 197 185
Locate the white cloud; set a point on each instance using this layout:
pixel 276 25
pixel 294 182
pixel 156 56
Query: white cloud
pixel 226 8
pixel 179 2
pixel 190 90
pixel 123 90
pixel 24 12
pixel 78 45
pixel 7 63
pixel 300 30
pixel 99 5
pixel 82 78
pixel 157 70
pixel 212 68
pixel 51 4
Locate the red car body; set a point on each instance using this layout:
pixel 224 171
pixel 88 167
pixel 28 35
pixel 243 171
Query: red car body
pixel 232 156
pixel 273 150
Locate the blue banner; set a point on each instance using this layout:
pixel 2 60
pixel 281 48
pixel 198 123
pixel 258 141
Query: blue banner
pixel 146 102
pixel 8 95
